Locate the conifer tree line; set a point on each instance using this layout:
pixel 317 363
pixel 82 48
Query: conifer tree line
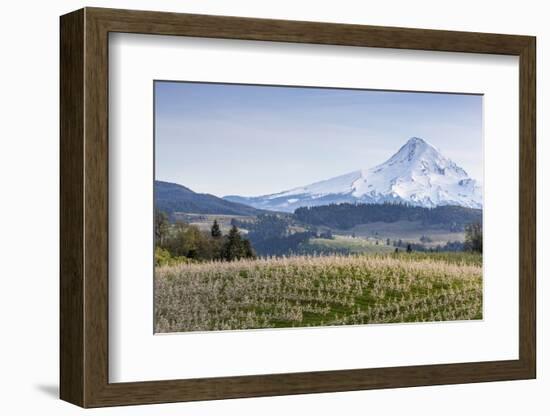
pixel 181 242
pixel 345 216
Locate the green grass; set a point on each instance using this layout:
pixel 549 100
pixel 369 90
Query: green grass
pixel 204 221
pixel 407 231
pixel 348 244
pixel 317 291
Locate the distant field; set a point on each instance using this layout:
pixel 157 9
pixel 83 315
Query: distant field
pixel 350 244
pixel 204 221
pixel 316 291
pixel 406 230
pixel 365 235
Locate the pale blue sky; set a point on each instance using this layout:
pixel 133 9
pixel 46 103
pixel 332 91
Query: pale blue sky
pixel 253 140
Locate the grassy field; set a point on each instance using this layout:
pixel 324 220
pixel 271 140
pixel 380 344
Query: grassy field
pixel 316 291
pixel 352 245
pixel 408 231
pixel 204 221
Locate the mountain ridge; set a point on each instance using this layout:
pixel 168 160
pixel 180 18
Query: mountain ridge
pixel 172 197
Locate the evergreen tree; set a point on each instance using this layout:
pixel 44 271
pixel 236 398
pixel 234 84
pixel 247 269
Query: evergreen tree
pixel 231 248
pixel 235 247
pixel 248 250
pixel 474 238
pixel 162 226
pixel 215 230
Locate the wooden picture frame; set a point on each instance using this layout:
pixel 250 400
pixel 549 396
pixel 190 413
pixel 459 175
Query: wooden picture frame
pixel 84 207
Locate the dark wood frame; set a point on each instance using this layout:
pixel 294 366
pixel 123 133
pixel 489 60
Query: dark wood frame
pixel 84 207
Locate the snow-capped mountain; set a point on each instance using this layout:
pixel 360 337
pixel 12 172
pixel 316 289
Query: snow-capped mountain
pixel 418 174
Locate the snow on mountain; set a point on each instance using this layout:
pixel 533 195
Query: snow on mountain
pixel 418 174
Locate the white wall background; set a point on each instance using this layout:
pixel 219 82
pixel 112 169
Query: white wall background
pixel 29 158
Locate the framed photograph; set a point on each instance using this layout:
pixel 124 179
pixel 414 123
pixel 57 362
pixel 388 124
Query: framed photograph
pixel 254 207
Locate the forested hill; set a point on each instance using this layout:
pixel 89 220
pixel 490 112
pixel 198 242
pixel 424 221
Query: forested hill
pixel 345 216
pixel 171 197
